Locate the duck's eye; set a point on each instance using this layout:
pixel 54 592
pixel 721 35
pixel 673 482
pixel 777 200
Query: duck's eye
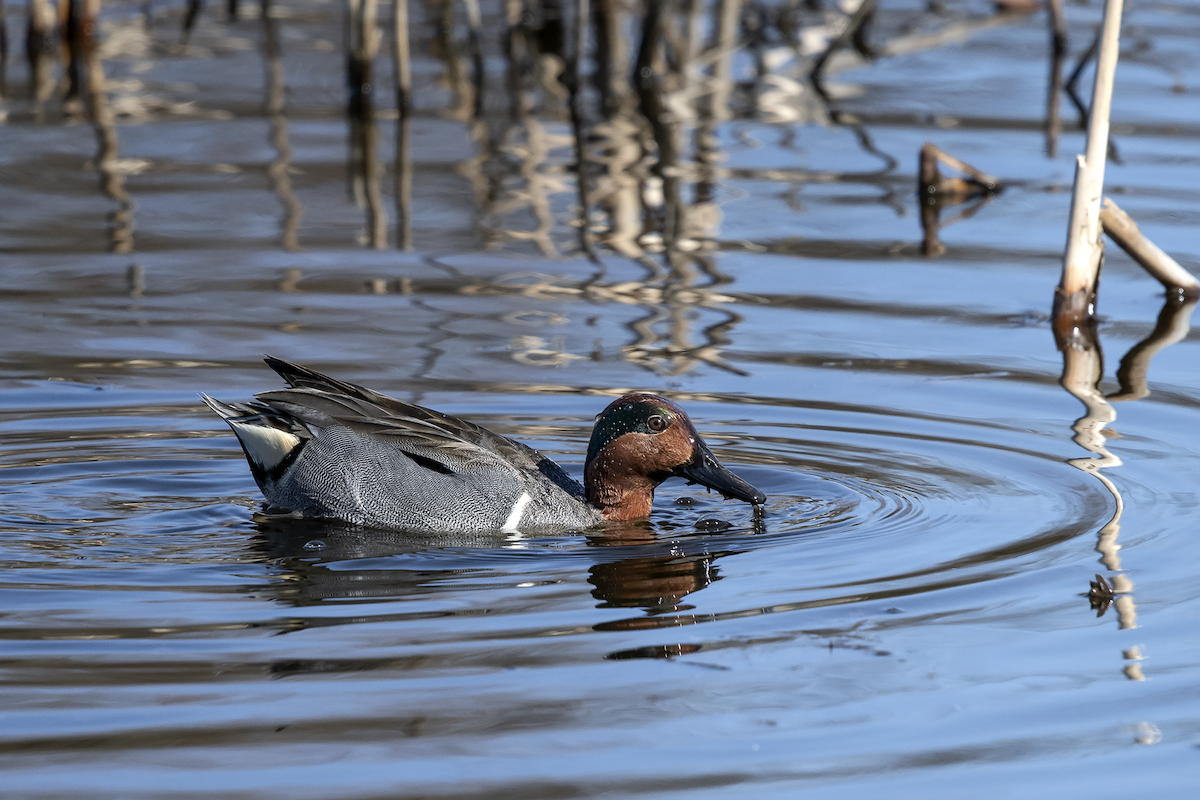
pixel 656 423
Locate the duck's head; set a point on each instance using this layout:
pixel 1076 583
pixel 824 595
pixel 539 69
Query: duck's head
pixel 641 440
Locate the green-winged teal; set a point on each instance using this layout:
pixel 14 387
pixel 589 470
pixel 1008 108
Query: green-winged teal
pixel 326 448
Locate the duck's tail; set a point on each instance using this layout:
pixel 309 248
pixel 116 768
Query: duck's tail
pixel 270 440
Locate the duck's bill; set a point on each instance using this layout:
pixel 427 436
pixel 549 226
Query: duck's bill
pixel 707 471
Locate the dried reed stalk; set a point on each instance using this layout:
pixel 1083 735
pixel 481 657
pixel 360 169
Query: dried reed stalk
pixel 1124 231
pixel 1075 297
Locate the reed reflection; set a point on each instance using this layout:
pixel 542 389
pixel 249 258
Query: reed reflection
pixel 633 146
pixel 279 169
pixel 1172 325
pixel 362 44
pixel 610 137
pixel 1083 369
pixel 109 167
pixel 665 338
pixel 402 75
pixel 41 33
pixel 622 124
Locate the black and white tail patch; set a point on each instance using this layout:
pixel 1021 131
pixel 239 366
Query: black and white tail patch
pixel 266 446
pixel 266 437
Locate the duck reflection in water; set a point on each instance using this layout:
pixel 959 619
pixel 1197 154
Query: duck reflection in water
pixel 656 583
pixel 304 552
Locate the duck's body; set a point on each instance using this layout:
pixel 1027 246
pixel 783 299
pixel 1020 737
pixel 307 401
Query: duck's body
pixel 325 448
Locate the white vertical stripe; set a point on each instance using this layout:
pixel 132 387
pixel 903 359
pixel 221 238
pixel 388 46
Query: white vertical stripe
pixel 518 510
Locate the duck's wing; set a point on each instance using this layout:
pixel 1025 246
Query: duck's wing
pixel 446 440
pixel 370 404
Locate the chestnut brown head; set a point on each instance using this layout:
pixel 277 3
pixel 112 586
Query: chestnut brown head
pixel 641 440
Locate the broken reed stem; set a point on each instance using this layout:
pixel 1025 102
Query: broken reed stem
pixel 1075 297
pixel 1124 231
pixel 935 192
pixel 931 150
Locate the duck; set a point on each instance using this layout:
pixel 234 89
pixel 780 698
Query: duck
pixel 331 449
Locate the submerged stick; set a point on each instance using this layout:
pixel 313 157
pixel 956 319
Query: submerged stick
pixel 1124 231
pixel 930 179
pixel 1075 297
pixel 935 191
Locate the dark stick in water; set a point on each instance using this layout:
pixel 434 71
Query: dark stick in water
pixel 1058 52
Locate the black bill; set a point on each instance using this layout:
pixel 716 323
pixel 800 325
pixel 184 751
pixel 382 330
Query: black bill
pixel 707 471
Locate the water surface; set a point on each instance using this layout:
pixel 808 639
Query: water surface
pixel 910 614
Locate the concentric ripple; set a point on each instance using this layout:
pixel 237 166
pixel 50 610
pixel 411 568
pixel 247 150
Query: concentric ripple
pixel 862 503
pixel 153 609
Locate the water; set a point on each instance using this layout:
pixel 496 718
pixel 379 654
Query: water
pixel 909 616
